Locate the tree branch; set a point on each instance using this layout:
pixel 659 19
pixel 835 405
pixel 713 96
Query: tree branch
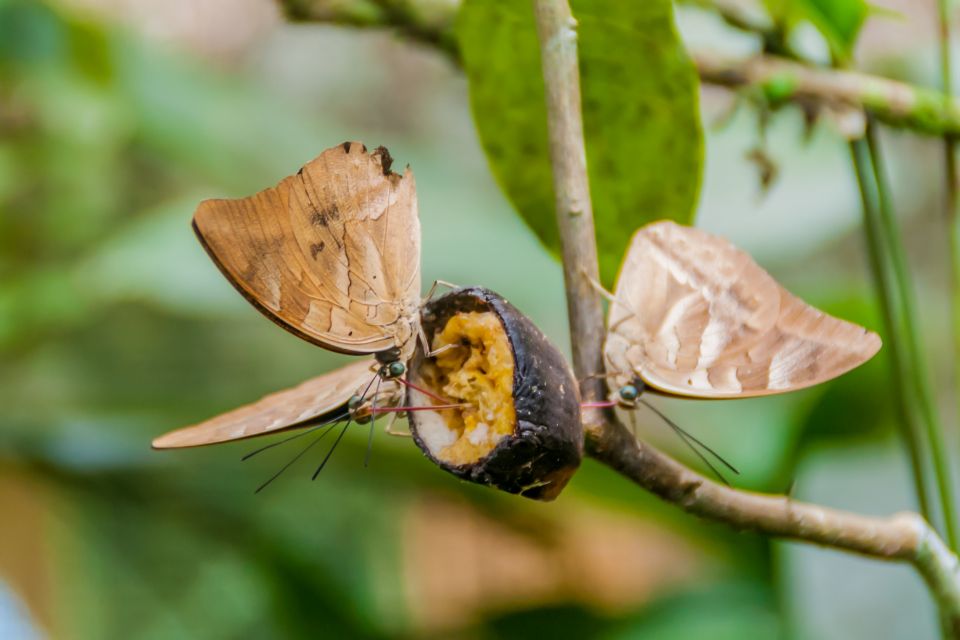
pixel 905 537
pixel 428 22
pixel 896 104
pixel 556 29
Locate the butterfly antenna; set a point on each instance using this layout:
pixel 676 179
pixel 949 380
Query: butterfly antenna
pixel 297 457
pixel 373 419
pixel 683 437
pixel 366 389
pixel 690 440
pixel 332 449
pixel 299 434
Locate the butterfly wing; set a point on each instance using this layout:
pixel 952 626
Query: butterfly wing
pixel 312 401
pixel 695 316
pixel 331 254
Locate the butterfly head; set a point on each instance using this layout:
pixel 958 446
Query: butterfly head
pixel 391 364
pixel 394 369
pixel 626 396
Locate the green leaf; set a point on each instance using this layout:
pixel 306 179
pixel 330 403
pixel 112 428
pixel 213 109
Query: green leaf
pixel 640 110
pixel 839 21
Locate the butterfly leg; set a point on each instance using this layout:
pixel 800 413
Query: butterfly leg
pixel 443 349
pixel 435 285
pixel 426 345
pixel 390 431
pixel 598 287
pixel 612 299
pixel 422 336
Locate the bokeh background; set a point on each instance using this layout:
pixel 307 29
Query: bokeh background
pixel 118 116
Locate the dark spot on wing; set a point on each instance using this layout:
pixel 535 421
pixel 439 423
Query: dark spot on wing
pixel 346 147
pixel 316 248
pixel 323 218
pixel 386 160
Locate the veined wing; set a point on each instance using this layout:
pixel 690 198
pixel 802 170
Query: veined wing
pixel 312 401
pixel 331 254
pixel 695 316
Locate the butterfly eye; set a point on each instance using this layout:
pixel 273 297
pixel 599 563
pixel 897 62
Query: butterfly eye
pixel 629 392
pixel 396 369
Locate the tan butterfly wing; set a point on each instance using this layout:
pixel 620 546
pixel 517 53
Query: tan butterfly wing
pixel 331 254
pixel 695 316
pixel 308 402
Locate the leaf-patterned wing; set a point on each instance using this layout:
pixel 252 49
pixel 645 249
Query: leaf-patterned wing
pixel 331 254
pixel 311 401
pixel 695 316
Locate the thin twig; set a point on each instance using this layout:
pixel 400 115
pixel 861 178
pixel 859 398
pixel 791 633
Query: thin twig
pixel 557 31
pixel 949 141
pixel 951 220
pixel 911 430
pixel 425 21
pixel 903 537
pixel 893 103
pixel 896 104
pixel 909 337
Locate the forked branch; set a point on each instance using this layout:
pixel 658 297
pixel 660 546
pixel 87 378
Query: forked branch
pixel 905 537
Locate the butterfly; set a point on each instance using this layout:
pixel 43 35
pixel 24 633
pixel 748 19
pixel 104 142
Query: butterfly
pixel 320 400
pixel 332 255
pixel 693 316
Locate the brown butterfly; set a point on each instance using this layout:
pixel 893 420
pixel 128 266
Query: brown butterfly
pixel 331 254
pixel 320 400
pixel 694 316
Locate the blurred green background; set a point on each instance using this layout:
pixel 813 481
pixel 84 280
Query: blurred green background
pixel 118 116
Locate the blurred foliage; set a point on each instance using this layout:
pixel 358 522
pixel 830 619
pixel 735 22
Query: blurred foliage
pixel 114 327
pixel 640 112
pixel 839 21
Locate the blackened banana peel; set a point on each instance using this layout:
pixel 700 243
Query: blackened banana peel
pixel 520 430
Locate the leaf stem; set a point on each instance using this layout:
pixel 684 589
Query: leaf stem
pixel 915 365
pixel 910 430
pixel 950 217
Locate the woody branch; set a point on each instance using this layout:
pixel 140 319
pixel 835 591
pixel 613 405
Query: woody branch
pixel 904 537
pixel 896 104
